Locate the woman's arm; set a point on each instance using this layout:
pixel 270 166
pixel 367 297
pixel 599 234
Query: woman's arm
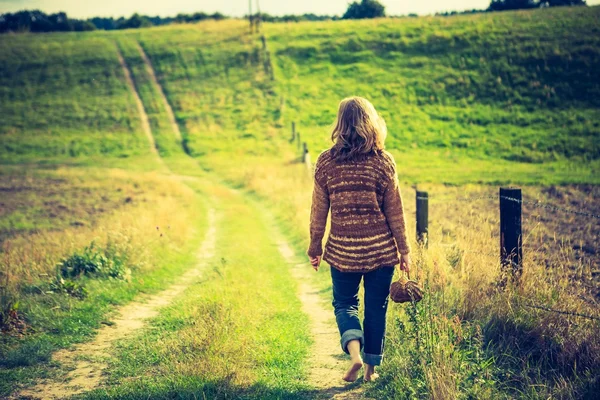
pixel 318 219
pixel 394 213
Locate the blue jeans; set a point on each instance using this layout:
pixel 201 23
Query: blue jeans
pixel 345 304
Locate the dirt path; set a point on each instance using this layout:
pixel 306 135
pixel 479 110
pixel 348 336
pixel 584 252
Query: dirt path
pixel 168 109
pixel 140 106
pixel 87 361
pixel 327 366
pixel 327 363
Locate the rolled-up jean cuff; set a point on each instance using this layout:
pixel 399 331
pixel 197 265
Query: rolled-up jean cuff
pixel 352 334
pixel 372 359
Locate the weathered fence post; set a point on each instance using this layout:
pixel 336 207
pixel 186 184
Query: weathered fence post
pixel 423 218
pixel 306 157
pixel 293 132
pixel 298 137
pixel 270 66
pixel 511 238
pixel 267 63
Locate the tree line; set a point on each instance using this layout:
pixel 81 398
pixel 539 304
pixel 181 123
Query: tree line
pixel 502 5
pixel 38 21
pixel 374 9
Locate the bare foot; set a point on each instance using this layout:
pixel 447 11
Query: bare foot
pixel 352 373
pixel 370 374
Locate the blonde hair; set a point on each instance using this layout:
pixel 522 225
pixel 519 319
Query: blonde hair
pixel 359 130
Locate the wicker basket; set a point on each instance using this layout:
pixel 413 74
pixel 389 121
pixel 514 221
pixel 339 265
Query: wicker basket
pixel 404 290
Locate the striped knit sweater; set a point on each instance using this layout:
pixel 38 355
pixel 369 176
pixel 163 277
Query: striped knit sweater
pixel 367 219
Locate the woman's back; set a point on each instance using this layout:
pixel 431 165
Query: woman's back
pixel 364 201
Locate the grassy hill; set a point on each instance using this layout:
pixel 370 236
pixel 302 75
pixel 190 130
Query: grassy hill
pixel 63 96
pixel 473 98
pixel 469 100
pixel 491 88
pixel 491 97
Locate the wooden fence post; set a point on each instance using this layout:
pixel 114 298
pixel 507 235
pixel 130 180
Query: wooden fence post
pixel 306 157
pixel 511 238
pixel 423 218
pixel 298 137
pixel 270 66
pixel 293 132
pixel 264 42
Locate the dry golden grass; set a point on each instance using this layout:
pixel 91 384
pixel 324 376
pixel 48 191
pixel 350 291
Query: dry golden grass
pixel 157 217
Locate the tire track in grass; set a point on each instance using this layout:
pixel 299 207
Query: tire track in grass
pixel 161 92
pixel 140 106
pixel 87 361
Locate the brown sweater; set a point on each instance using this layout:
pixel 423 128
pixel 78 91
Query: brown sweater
pixel 367 219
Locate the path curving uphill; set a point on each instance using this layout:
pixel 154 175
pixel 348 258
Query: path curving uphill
pixel 140 106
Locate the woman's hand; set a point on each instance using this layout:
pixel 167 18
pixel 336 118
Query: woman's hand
pixel 405 263
pixel 315 261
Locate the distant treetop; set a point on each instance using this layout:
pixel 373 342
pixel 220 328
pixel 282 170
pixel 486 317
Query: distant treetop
pixel 364 9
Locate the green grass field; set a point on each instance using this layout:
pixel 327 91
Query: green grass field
pixel 470 102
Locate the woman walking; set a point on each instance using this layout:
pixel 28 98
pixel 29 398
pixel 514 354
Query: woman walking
pixel 356 179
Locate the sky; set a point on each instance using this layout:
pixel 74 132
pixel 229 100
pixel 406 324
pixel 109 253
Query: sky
pixel 117 8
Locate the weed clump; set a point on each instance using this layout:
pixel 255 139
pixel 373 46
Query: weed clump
pixel 92 262
pixel 96 262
